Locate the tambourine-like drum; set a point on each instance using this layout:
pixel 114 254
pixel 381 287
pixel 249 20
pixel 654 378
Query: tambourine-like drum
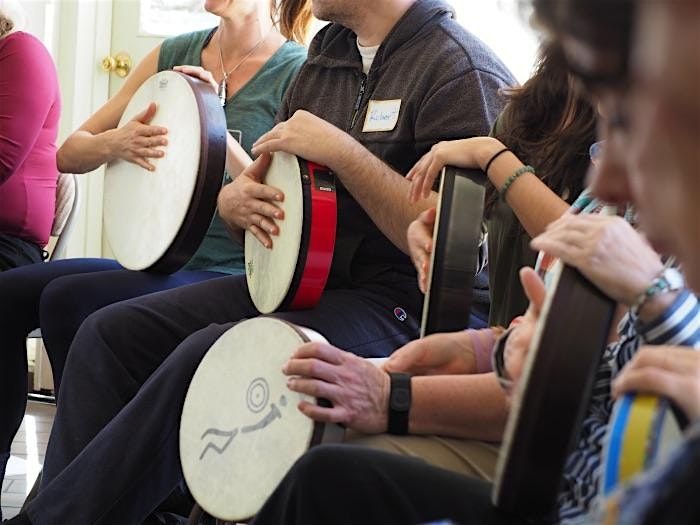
pixel 643 430
pixel 552 395
pixel 293 273
pixel 156 220
pixel 456 241
pixel 241 430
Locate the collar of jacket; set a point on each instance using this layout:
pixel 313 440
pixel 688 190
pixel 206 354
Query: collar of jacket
pixel 335 46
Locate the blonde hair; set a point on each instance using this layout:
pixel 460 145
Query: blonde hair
pixel 293 18
pixel 6 24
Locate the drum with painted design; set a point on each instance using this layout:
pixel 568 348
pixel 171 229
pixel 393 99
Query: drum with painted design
pixel 241 430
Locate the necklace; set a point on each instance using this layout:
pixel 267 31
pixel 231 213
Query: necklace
pixel 222 84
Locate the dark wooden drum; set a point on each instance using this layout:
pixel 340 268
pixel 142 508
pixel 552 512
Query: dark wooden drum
pixel 453 261
pixel 241 430
pixel 551 397
pixel 293 274
pixel 156 220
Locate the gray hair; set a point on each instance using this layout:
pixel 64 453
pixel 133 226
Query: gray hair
pixel 12 16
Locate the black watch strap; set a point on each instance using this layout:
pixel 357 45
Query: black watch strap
pixel 399 403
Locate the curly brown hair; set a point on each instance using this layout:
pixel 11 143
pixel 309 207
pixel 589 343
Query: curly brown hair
pixel 6 24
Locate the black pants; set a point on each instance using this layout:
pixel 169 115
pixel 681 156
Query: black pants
pixel 15 252
pixel 346 484
pixel 113 453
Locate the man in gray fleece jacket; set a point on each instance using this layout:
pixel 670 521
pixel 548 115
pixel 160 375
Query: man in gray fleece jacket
pixel 385 82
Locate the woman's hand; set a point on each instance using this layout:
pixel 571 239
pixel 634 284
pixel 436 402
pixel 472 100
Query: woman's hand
pixel 436 354
pixel 248 204
pixel 669 371
pixel 420 245
pixel 465 153
pixel 357 389
pixel 607 250
pixel 137 141
pixel 200 73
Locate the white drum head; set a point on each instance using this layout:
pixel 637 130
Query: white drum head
pixel 241 430
pixel 143 210
pixel 270 272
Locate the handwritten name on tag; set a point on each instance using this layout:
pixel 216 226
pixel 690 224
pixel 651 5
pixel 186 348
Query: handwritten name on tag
pixel 382 115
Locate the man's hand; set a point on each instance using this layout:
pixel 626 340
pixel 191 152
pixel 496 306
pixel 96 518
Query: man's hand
pixel 420 245
pixel 669 371
pixel 357 390
pixel 436 354
pixel 248 204
pixel 137 141
pixel 308 137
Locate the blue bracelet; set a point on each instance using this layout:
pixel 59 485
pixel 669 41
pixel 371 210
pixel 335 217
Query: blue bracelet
pixel 510 180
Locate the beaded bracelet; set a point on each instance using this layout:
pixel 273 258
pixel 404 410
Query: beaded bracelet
pixel 510 180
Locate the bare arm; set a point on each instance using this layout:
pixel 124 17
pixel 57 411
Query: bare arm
pixel 462 406
pixel 98 141
pixel 531 200
pixel 378 189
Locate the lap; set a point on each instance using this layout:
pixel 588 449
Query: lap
pixel 468 457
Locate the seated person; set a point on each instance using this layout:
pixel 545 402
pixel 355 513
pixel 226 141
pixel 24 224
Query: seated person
pixel 141 348
pixel 30 108
pixel 59 295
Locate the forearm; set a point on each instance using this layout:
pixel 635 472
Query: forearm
pixel 524 191
pixel 84 151
pixel 462 406
pixel 236 157
pixel 382 192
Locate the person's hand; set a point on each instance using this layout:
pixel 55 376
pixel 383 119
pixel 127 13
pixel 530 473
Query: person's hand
pixel 466 153
pixel 607 250
pixel 137 141
pixel 518 343
pixel 669 371
pixel 249 204
pixel 436 354
pixel 308 137
pixel 420 245
pixel 200 73
pixel 357 389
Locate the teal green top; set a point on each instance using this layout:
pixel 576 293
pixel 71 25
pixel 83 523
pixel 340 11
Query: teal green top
pixel 249 113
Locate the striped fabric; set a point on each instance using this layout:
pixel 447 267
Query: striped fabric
pixel 679 325
pixel 65 195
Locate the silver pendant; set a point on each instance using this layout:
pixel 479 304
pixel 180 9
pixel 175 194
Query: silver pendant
pixel 222 91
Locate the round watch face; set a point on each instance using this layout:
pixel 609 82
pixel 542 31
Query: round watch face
pixel 400 399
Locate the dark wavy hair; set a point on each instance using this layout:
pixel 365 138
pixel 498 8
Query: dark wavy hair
pixel 549 124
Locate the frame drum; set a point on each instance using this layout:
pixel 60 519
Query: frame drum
pixel 241 430
pixel 293 274
pixel 157 220
pixel 552 395
pixel 453 261
pixel 643 430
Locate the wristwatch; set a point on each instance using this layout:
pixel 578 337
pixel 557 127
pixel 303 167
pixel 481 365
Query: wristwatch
pixel 669 280
pixel 399 403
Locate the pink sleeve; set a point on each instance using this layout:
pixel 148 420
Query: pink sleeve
pixel 482 343
pixel 25 100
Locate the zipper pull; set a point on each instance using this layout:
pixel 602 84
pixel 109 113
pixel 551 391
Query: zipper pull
pixel 358 101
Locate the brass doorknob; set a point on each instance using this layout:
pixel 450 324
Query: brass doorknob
pixel 119 64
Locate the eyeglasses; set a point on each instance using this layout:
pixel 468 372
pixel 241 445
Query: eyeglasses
pixel 596 150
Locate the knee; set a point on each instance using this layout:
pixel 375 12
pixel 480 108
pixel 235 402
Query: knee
pixel 320 465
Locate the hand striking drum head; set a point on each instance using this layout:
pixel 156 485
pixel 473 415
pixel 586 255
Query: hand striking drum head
pixel 157 220
pixel 293 274
pixel 241 430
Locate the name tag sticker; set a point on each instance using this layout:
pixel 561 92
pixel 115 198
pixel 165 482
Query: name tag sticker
pixel 382 115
